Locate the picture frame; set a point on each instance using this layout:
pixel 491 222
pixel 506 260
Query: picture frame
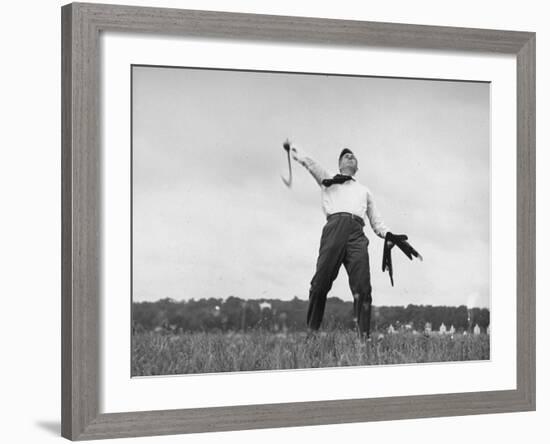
pixel 81 234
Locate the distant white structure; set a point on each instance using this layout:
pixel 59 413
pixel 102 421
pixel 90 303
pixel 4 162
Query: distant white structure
pixel 442 329
pixel 265 305
pixel 391 330
pixel 428 328
pixel 452 329
pixel 477 330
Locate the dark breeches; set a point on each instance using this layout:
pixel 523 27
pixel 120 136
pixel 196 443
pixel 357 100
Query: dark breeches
pixel 342 242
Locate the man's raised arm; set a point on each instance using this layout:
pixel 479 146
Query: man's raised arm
pixel 316 170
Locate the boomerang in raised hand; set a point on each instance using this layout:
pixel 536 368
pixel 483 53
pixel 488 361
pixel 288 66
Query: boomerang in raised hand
pixel 288 182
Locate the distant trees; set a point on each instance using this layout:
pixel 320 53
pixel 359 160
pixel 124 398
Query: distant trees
pixel 235 314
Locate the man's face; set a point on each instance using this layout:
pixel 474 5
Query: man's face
pixel 348 162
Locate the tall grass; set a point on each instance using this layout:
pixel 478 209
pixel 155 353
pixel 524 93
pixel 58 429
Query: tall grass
pixel 169 354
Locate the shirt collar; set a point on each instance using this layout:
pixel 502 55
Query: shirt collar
pixel 352 177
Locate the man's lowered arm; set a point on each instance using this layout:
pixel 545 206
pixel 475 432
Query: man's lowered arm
pixel 375 219
pixel 390 239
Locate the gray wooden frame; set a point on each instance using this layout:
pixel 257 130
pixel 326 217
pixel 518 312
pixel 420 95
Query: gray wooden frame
pixel 81 235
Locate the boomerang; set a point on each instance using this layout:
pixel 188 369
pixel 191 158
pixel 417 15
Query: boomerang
pixel 288 182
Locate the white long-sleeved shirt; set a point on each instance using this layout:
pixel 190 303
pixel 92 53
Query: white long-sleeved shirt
pixel 350 197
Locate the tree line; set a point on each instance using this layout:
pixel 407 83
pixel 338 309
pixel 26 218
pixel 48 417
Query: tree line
pixel 235 314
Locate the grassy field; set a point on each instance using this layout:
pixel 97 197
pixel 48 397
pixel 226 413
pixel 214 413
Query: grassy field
pixel 169 354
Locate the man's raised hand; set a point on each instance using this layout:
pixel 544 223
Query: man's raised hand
pixel 286 145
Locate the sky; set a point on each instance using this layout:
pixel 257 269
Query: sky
pixel 212 217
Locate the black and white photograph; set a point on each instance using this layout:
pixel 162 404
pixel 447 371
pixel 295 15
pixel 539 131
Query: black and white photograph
pixel 275 222
pixel 301 220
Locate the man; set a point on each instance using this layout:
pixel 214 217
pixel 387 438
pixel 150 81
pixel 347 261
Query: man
pixel 346 203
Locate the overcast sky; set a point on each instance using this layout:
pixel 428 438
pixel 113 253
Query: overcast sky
pixel 212 217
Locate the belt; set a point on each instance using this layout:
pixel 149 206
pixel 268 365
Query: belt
pixel 352 216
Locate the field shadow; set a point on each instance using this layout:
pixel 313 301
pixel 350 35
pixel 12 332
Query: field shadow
pixel 54 427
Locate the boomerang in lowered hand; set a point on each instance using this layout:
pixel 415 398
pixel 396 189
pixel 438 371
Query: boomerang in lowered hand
pixel 401 241
pixel 288 182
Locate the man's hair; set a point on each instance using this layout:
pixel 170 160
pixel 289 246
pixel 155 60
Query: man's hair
pixel 344 152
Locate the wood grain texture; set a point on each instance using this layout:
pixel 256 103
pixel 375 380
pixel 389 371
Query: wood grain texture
pixel 80 218
pixel 81 235
pixel 118 425
pixel 66 223
pixel 230 25
pixel 526 221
